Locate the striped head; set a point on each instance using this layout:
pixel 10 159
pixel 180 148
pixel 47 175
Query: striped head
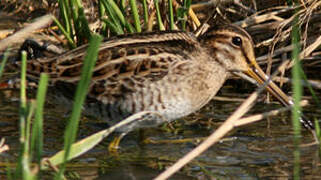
pixel 230 46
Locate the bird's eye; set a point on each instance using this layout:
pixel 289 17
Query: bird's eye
pixel 237 41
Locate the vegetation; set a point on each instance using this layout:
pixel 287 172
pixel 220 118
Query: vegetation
pixel 122 17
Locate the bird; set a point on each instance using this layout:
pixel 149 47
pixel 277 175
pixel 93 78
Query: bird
pixel 172 73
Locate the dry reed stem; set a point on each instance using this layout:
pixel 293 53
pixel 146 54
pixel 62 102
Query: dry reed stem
pixel 256 19
pixel 194 17
pixel 227 99
pixel 314 83
pixel 281 34
pixel 150 23
pixel 307 51
pixel 211 3
pixel 239 3
pixel 288 63
pixel 21 35
pixel 258 117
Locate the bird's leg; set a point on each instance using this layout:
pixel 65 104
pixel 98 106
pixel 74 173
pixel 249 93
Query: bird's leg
pixel 114 144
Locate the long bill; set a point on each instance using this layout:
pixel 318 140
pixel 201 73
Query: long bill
pixel 257 74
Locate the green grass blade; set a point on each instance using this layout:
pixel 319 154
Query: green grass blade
pixel 81 92
pixel 4 61
pixel 187 5
pixel 120 15
pixel 159 18
pixel 62 29
pixel 23 169
pixel 318 133
pixel 314 96
pixel 37 128
pixel 66 17
pixel 145 8
pixel 102 12
pixel 82 29
pixel 171 15
pixel 297 90
pixel 317 129
pixel 23 97
pixel 78 148
pixel 73 6
pixel 28 151
pixel 74 19
pixel 88 143
pixel 113 27
pixel 9 172
pixel 114 22
pixel 133 7
pixel 122 6
pixel 30 112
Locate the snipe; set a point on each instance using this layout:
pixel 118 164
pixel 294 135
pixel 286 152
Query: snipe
pixel 172 73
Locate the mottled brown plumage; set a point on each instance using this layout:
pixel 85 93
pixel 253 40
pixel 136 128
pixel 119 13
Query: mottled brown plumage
pixel 172 73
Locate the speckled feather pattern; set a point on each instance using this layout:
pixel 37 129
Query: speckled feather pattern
pixel 172 73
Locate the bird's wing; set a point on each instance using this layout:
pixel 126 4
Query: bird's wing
pixel 123 62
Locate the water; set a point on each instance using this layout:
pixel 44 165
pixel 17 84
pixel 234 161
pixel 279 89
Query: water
pixel 261 150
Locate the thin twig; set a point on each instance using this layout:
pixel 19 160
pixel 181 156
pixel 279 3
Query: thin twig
pixel 314 83
pixel 258 117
